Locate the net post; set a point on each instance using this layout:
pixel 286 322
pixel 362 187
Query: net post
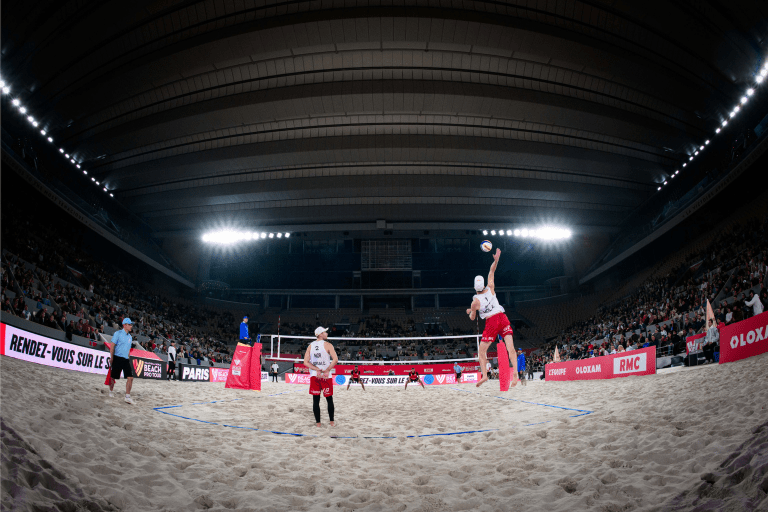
pixel 271 345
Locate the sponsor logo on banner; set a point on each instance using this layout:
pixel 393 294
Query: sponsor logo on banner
pixel 264 376
pixel 469 377
pixel 297 378
pixel 340 380
pixel 147 369
pixel 35 348
pixel 428 370
pixel 629 364
pixel 428 379
pixel 219 374
pixel 192 373
pixel 693 343
pixel 635 362
pixel 440 379
pixel 744 339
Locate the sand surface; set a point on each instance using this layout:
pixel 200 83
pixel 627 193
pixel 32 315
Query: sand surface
pixel 681 440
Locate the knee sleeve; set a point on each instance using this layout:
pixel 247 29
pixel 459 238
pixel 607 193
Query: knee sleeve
pixel 329 399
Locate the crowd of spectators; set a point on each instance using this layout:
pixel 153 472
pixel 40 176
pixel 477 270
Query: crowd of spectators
pixel 730 273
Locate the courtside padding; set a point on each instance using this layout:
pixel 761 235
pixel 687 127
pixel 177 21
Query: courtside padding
pixel 583 412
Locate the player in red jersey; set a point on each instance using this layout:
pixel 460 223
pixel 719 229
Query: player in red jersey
pixel 413 376
pixel 496 324
pixel 355 377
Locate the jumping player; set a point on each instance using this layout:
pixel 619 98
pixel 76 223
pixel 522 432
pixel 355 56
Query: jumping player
pixel 355 377
pixel 496 323
pixel 320 358
pixel 413 376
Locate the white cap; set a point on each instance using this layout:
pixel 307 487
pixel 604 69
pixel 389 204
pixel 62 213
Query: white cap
pixel 320 330
pixel 479 283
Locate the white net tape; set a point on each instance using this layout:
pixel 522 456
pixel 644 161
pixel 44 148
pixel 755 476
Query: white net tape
pixel 276 342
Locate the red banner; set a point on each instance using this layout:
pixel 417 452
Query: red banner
pixel 255 367
pixel 693 343
pixel 635 362
pixel 239 376
pixel 744 339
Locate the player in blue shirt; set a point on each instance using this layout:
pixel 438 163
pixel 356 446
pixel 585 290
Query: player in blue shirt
pixel 521 366
pixel 119 356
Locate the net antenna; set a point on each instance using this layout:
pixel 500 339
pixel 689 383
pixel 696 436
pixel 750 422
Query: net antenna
pixel 275 355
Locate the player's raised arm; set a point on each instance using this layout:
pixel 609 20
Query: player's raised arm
pixel 491 283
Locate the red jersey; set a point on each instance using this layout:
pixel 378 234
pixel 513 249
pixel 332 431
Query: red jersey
pixel 355 374
pixel 414 375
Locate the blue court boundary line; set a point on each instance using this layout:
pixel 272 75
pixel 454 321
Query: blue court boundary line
pixel 583 411
pixel 277 432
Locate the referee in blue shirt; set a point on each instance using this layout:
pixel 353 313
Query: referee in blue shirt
pixel 521 366
pixel 119 355
pixel 244 331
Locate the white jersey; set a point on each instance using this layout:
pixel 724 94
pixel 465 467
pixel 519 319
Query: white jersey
pixel 172 354
pixel 318 356
pixel 489 304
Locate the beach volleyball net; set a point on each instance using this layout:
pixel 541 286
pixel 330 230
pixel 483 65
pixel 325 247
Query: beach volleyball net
pixel 384 349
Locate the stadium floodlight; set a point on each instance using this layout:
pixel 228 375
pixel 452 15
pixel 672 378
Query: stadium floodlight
pixel 750 91
pixel 105 189
pixel 6 89
pixel 677 172
pixel 61 150
pixel 658 188
pixel 706 143
pixel 30 119
pixel 672 176
pixel 50 139
pixel 696 153
pixel 684 165
pixel 736 108
pixel 665 182
pixel 271 235
pixel 16 102
pixel 72 160
pixel 717 131
pixel 279 235
pixel 22 110
pixel 551 233
pixel 42 132
pixel 702 147
pixel 111 194
pixel 35 124
pixel 263 235
pixel 77 165
pixel 759 78
pixel 98 183
pixel 85 172
pixel 690 158
pixel 2 83
pixel 517 232
pixel 485 231
pixel 763 72
pixel 93 179
pixel 66 155
pixel 509 232
pixel 743 100
pixel 287 235
pixel 493 231
pixel 524 233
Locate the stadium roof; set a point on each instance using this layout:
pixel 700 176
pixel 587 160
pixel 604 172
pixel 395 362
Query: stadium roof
pixel 312 113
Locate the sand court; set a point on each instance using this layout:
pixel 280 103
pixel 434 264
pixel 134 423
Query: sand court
pixel 670 441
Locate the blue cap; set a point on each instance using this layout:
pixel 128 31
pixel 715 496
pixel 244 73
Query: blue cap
pixel 245 317
pixel 127 320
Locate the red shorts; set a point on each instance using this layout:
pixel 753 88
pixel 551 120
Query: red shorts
pixel 316 385
pixel 496 325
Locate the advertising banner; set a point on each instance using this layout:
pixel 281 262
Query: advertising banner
pixel 148 368
pixel 256 374
pixel 470 377
pixel 194 373
pixel 383 380
pixel 35 348
pixel 744 339
pixel 635 362
pixel 219 374
pixel 693 343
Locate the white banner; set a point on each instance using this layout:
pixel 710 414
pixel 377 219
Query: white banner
pixel 35 348
pixel 385 380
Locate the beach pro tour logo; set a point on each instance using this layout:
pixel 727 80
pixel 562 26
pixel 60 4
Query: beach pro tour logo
pixel 138 366
pixel 635 363
pixel 147 369
pixel 297 378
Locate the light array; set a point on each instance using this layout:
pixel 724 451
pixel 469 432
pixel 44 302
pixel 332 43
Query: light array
pixel 759 77
pixel 540 233
pixel 16 102
pixel 229 236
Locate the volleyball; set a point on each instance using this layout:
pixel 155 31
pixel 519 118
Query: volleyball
pixel 486 246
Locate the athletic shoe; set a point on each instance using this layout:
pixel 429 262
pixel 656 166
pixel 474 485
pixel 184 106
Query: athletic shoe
pixel 129 400
pixel 111 394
